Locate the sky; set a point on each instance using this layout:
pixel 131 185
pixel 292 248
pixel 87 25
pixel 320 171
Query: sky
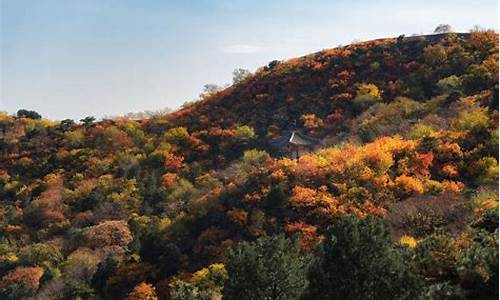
pixel 71 59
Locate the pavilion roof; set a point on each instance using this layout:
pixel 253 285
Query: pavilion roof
pixel 294 138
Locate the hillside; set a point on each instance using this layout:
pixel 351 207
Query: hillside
pixel 409 173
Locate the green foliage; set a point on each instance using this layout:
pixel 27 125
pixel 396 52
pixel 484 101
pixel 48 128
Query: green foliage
pixel 104 270
pixel 449 84
pixel 87 121
pixel 436 257
pixel 444 291
pixel 351 247
pixel 206 283
pixel 484 171
pixel 176 135
pixel 478 266
pixel 245 132
pixel 421 131
pixel 239 75
pixel 74 139
pixel 269 268
pixel 109 208
pixel 30 114
pixel 181 290
pixel 488 220
pixel 472 121
pixel 367 95
pixel 40 253
pixel 254 157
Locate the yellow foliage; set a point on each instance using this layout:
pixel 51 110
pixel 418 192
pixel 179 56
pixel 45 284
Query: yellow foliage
pixel 368 89
pixel 408 241
pixel 311 121
pixel 409 185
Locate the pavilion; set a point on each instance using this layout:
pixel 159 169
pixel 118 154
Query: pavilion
pixel 294 144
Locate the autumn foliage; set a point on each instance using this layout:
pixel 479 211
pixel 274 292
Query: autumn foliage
pixel 149 208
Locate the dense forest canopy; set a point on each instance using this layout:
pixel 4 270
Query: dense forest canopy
pixel 401 203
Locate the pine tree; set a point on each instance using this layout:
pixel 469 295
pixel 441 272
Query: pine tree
pixel 269 268
pixel 357 261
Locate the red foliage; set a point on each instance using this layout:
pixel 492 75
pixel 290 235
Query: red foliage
pixel 173 163
pixel 308 233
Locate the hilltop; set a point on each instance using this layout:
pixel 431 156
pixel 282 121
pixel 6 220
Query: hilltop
pixel 408 171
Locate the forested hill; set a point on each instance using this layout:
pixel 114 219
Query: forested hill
pixel 319 89
pixel 401 203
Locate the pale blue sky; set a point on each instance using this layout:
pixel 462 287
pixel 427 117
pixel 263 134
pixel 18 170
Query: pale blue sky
pixel 73 58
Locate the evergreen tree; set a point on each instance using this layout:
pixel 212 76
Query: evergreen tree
pixel 269 268
pixel 357 261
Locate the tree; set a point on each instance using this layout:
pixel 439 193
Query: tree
pixel 105 269
pixel 181 290
pixel 478 266
pixel 210 88
pixel 30 114
pixel 113 235
pixel 269 268
pixel 66 124
pixel 128 276
pixel 87 121
pixel 142 291
pixel 239 75
pixel 443 28
pixel 206 283
pixel 357 261
pixel 366 95
pixel 449 84
pixel 244 132
pixel 78 271
pixel 20 283
pixel 40 253
pixel 435 257
pixel 176 135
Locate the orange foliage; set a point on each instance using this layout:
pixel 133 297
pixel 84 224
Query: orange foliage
pixel 423 162
pixel 376 158
pixel 278 175
pixel 28 277
pixel 341 96
pixel 142 291
pixel 308 201
pixel 173 162
pixel 449 170
pixel 168 179
pixel 127 276
pixel 309 237
pixel 452 186
pixel 449 151
pixel 310 168
pixel 483 41
pixel 238 216
pixel 49 208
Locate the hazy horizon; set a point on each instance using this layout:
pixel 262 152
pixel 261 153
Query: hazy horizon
pixel 110 57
